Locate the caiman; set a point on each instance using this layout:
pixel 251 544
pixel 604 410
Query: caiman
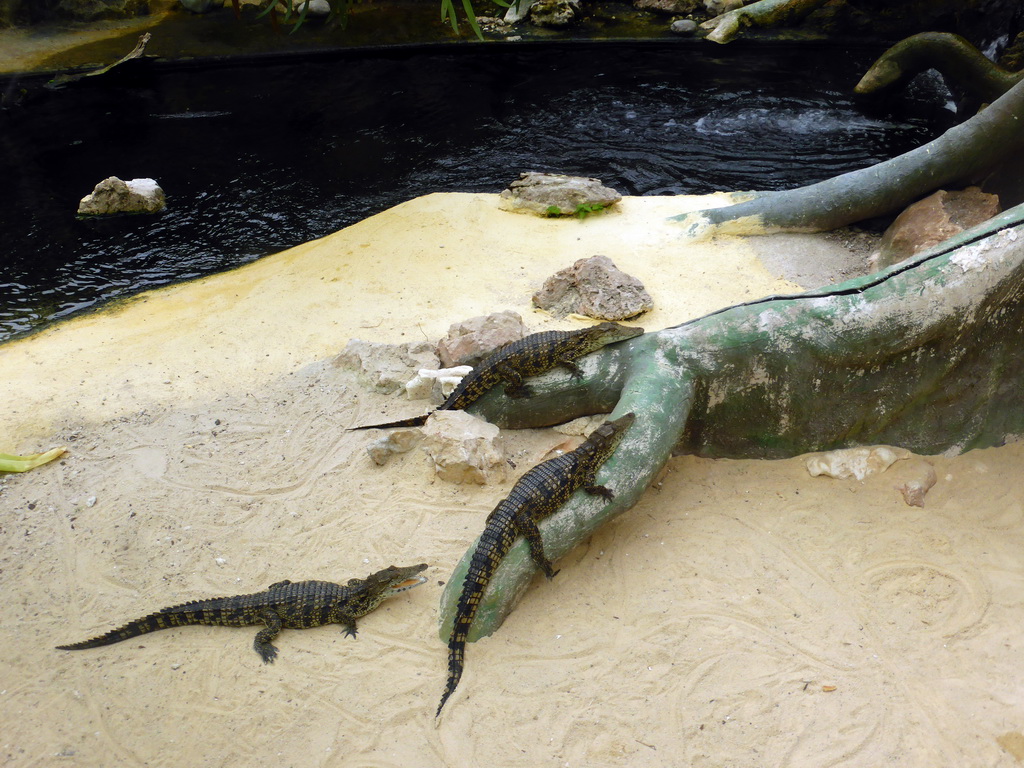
pixel 284 605
pixel 529 356
pixel 538 494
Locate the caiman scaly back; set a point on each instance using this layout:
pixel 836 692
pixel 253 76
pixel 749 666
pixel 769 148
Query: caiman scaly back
pixel 538 494
pixel 530 356
pixel 284 605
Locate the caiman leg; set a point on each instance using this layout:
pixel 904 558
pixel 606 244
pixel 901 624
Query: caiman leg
pixel 350 627
pixel 263 645
pixel 575 370
pixel 514 386
pixel 528 528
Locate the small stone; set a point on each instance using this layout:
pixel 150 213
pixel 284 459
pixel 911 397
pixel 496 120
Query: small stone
pixel 435 384
pixel 396 441
pixel 470 341
pixel 386 367
pixel 548 194
pixel 683 27
pixel 594 287
pixel 674 7
pixel 220 560
pixel 202 6
pixel 855 462
pixel 91 501
pixel 554 13
pixel 316 7
pixel 930 221
pixel 463 448
pixel 718 7
pixel 112 195
pixel 922 479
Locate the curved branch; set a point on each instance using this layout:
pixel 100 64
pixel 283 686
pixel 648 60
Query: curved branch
pixel 953 56
pixel 963 152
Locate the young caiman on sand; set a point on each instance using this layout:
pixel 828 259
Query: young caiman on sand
pixel 538 494
pixel 284 605
pixel 529 356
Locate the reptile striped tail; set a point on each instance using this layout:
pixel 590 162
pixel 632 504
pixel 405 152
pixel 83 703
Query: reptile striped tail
pixel 415 421
pixel 495 542
pixel 187 614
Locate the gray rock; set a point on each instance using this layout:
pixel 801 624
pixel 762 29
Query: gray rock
pixel 554 13
pixel 463 448
pixel 96 10
pixel 202 6
pixel 112 195
pixel 672 7
pixel 316 7
pixel 594 287
pixel 396 441
pixel 556 194
pixel 386 367
pixel 470 341
pixel 718 7
pixel 683 27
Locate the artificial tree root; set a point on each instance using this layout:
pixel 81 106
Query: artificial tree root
pixel 924 355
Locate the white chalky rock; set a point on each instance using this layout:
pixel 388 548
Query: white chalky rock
pixel 112 195
pixel 463 448
pixel 855 462
pixel 395 441
pixel 423 385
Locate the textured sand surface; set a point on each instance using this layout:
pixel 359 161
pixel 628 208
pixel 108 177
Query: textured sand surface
pixel 743 614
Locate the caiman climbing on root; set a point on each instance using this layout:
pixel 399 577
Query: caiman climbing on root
pixel 530 356
pixel 284 605
pixel 538 494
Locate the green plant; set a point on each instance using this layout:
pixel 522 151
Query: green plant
pixel 585 209
pixel 582 210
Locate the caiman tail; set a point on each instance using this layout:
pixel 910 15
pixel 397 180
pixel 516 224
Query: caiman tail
pixel 495 542
pixel 185 615
pixel 415 421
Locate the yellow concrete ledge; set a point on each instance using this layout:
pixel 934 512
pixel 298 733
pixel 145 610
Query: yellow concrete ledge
pixel 405 274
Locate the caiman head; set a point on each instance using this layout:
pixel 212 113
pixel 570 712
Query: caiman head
pixel 379 586
pixel 610 333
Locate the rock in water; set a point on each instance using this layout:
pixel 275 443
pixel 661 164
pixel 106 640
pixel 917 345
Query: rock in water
pixel 594 287
pixel 550 194
pixel 113 195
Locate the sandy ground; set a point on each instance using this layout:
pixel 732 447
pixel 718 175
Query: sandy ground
pixel 743 614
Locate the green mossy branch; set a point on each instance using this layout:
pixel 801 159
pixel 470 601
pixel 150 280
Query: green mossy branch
pixel 924 355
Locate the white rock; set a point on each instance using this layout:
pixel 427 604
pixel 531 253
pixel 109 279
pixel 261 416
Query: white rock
pixel 423 384
pixel 316 7
pixel 112 195
pixel 463 448
pixel 855 462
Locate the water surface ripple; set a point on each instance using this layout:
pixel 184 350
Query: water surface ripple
pixel 256 159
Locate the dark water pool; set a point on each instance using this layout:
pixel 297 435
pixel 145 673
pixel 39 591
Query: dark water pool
pixel 259 157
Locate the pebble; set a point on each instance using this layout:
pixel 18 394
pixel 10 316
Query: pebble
pixel 683 27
